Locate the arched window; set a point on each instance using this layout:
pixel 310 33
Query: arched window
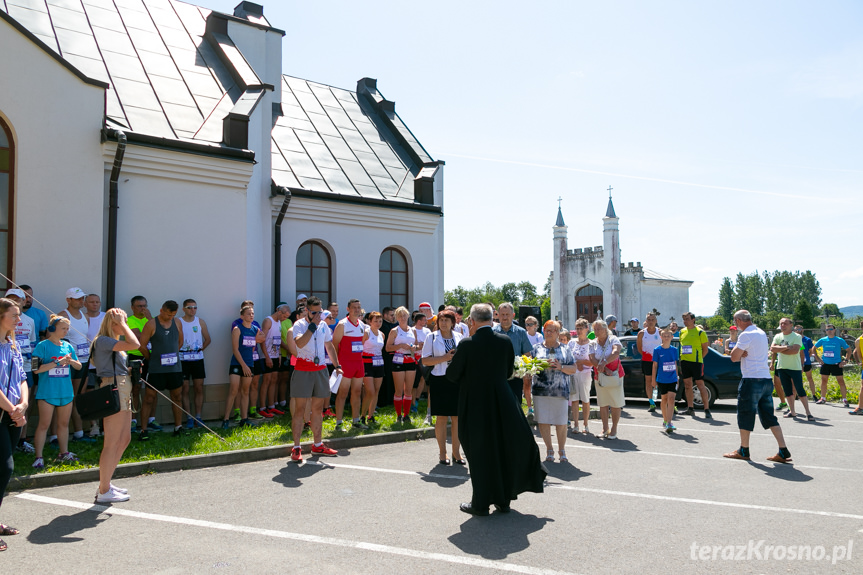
pixel 393 274
pixel 588 290
pixel 7 199
pixel 314 271
pixel 588 303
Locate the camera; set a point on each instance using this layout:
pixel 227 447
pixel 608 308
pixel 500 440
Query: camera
pixel 135 366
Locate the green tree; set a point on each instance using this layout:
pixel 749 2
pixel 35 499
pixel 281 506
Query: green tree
pixel 528 294
pixel 804 316
pixel 810 289
pixel 509 292
pixel 831 309
pixel 726 300
pixel 717 323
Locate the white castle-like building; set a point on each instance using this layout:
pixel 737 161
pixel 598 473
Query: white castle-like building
pixel 593 282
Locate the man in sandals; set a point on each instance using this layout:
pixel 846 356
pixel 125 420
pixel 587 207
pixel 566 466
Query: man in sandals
pixel 755 392
pixel 786 346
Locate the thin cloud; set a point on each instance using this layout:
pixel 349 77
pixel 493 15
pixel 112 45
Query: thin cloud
pixel 647 178
pixel 851 274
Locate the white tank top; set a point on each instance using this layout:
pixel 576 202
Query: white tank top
pixel 650 342
pixel 77 335
pixel 404 336
pixel 422 334
pixel 580 351
pixel 273 343
pixel 193 340
pixel 95 324
pixel 375 344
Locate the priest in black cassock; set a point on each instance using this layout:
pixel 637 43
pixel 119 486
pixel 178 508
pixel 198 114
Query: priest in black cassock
pixel 497 440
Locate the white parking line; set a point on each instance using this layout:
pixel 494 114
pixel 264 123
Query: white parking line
pixel 374 547
pixel 604 491
pixel 717 459
pixel 737 432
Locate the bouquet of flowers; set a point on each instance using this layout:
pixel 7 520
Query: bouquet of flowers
pixel 526 365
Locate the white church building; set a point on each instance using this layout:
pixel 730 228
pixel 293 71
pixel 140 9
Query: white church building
pixel 155 147
pixel 593 282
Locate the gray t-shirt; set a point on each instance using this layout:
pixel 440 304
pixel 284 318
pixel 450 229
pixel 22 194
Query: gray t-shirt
pixel 103 349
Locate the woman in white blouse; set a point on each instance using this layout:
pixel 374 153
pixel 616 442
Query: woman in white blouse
pixel 438 350
pixel 605 357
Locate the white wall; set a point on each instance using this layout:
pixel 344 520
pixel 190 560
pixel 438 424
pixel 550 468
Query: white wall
pixel 55 118
pixel 671 299
pixel 182 234
pixel 356 236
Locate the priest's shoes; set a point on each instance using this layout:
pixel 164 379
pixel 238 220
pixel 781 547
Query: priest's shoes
pixel 471 510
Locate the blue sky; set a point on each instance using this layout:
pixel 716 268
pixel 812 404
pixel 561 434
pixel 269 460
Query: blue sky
pixel 730 132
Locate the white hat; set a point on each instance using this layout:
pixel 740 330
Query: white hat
pixel 75 293
pixel 16 292
pixel 325 314
pixel 302 296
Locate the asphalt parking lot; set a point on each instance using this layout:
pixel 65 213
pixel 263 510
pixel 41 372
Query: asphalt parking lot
pixel 645 503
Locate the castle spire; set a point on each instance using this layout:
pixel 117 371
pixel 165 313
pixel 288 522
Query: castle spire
pixel 559 223
pixel 609 212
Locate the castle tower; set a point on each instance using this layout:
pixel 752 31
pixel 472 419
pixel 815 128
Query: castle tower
pixel 558 281
pixel 611 248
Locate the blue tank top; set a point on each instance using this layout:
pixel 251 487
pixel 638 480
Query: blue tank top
pixel 247 345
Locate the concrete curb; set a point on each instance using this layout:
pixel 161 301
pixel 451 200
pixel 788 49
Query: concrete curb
pixel 43 480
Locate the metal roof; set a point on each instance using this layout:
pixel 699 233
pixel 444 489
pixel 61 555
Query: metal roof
pixel 654 275
pixel 335 140
pixel 165 79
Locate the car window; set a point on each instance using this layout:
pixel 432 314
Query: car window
pixel 630 349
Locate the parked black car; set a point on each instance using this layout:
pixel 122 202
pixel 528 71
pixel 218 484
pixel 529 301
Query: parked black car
pixel 721 375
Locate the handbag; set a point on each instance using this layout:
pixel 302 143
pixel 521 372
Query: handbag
pixel 102 401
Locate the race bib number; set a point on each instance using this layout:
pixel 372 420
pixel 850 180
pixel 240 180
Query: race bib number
pixel 399 358
pixel 669 367
pixel 732 344
pixel 83 351
pixel 276 345
pixel 255 356
pixel 23 344
pixel 377 360
pixel 829 354
pixel 192 355
pixel 249 341
pixel 59 371
pixel 357 346
pixel 168 359
pixel 686 349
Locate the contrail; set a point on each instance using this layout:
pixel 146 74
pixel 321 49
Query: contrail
pixel 646 178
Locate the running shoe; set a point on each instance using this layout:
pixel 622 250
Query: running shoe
pixel 244 423
pixel 707 414
pixel 275 411
pixel 67 457
pixel 670 428
pixel 179 431
pixel 296 454
pixel 26 447
pixel 225 424
pixel 144 436
pixel 39 464
pixel 414 408
pixel 236 416
pixel 323 450
pixel 359 425
pixel 152 425
pixel 821 401
pixel 856 411
pixel 266 413
pixel 253 414
pixel 339 426
pixel 845 403
pixel 427 420
pixel 329 413
pixel 688 411
pixel 652 408
pixel 372 421
pixel 111 496
pixel 782 405
pixel 190 423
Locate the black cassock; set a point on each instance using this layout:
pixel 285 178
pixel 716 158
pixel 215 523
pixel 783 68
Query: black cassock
pixel 497 440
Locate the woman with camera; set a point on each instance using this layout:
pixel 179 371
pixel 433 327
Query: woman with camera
pixel 13 399
pixel 108 354
pixel 57 358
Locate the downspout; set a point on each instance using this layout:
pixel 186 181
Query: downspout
pixel 277 247
pixel 113 209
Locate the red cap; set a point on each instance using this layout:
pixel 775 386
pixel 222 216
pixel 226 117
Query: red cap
pixel 733 327
pixel 425 304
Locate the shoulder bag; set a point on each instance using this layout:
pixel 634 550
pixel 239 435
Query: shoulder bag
pixel 102 401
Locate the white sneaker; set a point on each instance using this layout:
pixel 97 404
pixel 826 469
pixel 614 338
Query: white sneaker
pixel 27 447
pixel 122 490
pixel 427 420
pixel 94 431
pixel 111 496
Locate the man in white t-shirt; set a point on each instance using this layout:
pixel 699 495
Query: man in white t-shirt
pixel 309 382
pixel 755 393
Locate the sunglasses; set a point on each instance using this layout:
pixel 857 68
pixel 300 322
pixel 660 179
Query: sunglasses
pixel 191 307
pixel 314 312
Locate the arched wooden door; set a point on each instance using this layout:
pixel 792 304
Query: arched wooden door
pixel 588 303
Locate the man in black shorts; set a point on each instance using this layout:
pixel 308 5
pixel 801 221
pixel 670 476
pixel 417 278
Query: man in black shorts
pixel 165 334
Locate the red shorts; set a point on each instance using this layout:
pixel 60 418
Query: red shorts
pixel 354 369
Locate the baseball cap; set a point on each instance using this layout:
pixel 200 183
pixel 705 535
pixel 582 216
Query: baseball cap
pixel 610 318
pixel 425 304
pixel 75 293
pixel 733 328
pixel 16 292
pixel 302 296
pixel 325 314
pixel 635 319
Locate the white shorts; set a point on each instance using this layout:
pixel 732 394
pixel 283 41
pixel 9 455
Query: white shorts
pixel 579 389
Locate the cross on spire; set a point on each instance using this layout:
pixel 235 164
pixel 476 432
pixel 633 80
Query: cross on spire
pixel 559 199
pixel 609 192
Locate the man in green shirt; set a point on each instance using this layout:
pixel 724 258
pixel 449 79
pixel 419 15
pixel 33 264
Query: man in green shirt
pixel 786 346
pixel 137 320
pixel 693 348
